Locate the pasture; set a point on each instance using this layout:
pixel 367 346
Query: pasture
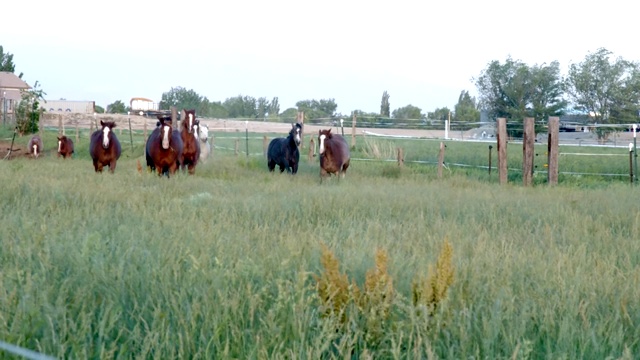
pixel 226 263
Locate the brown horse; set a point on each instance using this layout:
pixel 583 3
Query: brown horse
pixel 334 154
pixel 104 147
pixel 164 148
pixel 35 146
pixel 65 147
pixel 191 150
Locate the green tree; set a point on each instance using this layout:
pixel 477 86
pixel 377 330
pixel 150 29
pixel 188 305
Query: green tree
pixel 466 109
pixel 6 62
pixel 289 115
pixel 605 88
pixel 216 110
pixel 547 92
pixel 274 108
pixel 408 112
pixel 181 98
pixel 99 109
pixel 318 109
pixel 117 107
pixel 262 108
pixel 241 107
pixel 28 112
pixel 385 107
pixel 439 114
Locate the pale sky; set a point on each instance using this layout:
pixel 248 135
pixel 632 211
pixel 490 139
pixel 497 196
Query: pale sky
pixel 423 53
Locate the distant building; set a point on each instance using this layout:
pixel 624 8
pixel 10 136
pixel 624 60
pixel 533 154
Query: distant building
pixel 67 106
pixel 11 87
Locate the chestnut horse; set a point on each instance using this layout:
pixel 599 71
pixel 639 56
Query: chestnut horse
pixel 334 154
pixel 35 146
pixel 284 151
pixel 164 148
pixel 65 147
pixel 191 150
pixel 104 147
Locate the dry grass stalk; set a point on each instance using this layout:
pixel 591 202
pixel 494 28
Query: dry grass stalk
pixel 378 288
pixel 433 290
pixel 333 287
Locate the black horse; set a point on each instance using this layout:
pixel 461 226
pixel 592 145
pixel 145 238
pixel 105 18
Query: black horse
pixel 284 151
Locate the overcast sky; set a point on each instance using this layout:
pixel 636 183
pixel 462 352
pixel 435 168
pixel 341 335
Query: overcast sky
pixel 423 53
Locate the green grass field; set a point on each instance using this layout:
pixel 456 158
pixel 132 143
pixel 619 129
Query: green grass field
pixel 224 264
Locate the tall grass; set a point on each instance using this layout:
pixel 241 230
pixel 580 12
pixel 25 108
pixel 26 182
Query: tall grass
pixel 224 264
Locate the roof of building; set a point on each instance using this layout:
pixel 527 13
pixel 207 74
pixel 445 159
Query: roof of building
pixel 9 80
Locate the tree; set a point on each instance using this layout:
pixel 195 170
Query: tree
pixel 274 108
pixel 181 98
pixel 408 112
pixel 385 107
pixel 27 111
pixel 514 90
pixel 547 91
pixel 606 89
pixel 6 62
pixel 466 110
pixel 117 107
pixel 439 114
pixel 241 107
pixel 216 110
pixel 318 109
pixel 262 108
pixel 99 109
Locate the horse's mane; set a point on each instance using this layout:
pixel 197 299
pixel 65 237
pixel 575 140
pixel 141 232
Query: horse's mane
pixel 109 124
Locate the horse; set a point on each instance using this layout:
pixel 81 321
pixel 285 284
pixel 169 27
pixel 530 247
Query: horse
pixel 334 154
pixel 164 148
pixel 203 136
pixel 104 147
pixel 65 147
pixel 284 151
pixel 35 146
pixel 191 150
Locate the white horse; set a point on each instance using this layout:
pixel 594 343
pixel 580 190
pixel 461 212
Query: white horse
pixel 202 132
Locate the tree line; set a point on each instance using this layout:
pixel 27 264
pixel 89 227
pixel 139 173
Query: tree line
pixel 603 87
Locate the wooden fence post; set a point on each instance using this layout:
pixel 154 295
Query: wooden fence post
pixel 440 159
pixel 300 119
pixel 144 126
pixel 552 150
pixel 77 133
pixel 312 147
pixel 174 118
pixel 528 152
pixel 237 147
pixel 502 150
pixel 400 157
pixel 60 129
pixel 353 131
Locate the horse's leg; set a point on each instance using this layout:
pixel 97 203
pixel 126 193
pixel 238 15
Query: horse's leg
pixel 112 166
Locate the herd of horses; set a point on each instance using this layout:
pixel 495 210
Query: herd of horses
pixel 168 150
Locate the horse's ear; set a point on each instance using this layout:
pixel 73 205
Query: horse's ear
pixel 101 123
pixel 329 131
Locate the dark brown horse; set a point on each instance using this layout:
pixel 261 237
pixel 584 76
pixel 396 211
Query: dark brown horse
pixel 104 147
pixel 65 147
pixel 284 152
pixel 334 154
pixel 164 148
pixel 35 146
pixel 191 150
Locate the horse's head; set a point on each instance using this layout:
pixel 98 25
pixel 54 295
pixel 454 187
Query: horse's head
pixel 203 132
pixel 165 131
pixel 62 143
pixel 107 127
pixel 296 133
pixel 322 136
pixel 189 121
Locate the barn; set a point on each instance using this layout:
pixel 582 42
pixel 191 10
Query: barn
pixel 11 87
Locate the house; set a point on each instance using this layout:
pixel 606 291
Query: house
pixel 10 91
